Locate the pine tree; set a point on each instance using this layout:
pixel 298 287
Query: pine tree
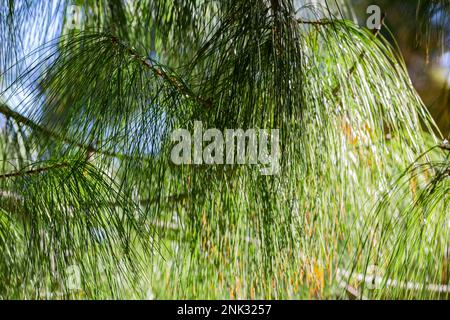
pixel 93 207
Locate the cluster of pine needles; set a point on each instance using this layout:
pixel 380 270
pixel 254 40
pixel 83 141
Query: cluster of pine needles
pixel 92 207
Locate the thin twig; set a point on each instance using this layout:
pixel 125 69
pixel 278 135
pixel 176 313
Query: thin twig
pixel 33 171
pixel 393 283
pixel 445 145
pixel 7 112
pixel 323 22
pixel 159 72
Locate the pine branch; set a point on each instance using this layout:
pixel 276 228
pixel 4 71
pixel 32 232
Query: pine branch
pixel 181 87
pixel 8 113
pixel 33 171
pixel 323 22
pixel 445 145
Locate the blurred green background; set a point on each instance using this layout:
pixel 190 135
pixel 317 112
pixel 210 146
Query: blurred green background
pixel 421 30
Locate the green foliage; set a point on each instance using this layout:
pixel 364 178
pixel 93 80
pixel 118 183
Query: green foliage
pixel 86 177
